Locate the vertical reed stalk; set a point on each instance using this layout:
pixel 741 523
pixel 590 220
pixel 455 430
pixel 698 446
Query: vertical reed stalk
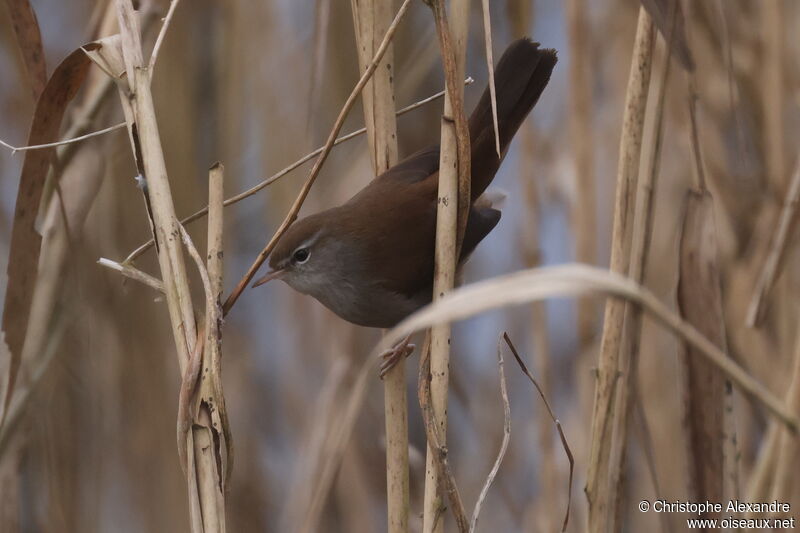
pixel 644 218
pixel 600 493
pixel 450 196
pixel 371 19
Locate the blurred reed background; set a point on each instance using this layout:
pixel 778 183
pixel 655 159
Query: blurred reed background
pixel 257 85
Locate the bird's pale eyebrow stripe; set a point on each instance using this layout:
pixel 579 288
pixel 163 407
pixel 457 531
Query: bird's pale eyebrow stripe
pixel 307 243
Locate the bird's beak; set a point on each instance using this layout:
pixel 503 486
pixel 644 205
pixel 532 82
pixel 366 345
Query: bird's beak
pixel 270 276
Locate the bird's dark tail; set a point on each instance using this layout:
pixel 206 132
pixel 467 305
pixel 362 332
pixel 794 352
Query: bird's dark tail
pixel 520 77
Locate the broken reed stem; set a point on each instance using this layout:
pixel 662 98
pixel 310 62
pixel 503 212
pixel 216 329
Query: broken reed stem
pixel 133 273
pixel 370 20
pixel 301 197
pixel 216 180
pixel 600 493
pixel 203 406
pixel 452 206
pixel 206 501
pixel 212 361
pixel 583 212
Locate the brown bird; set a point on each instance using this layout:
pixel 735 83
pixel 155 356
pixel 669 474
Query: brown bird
pixel 371 260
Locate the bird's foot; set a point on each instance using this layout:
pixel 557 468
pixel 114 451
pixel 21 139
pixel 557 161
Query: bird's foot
pixel 394 355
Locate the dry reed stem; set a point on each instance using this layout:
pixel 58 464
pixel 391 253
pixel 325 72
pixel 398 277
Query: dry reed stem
pixel 211 389
pixel 185 412
pixel 784 477
pixel 85 175
pixel 143 120
pixel 216 197
pixel 437 450
pixel 298 203
pixel 275 177
pixel 207 507
pixel 780 240
pixel 700 303
pixel 371 19
pixel 321 425
pixel 539 338
pixel 600 493
pixel 584 212
pixel 337 446
pixel 762 472
pixel 322 23
pixel 25 241
pixel 556 422
pixel 573 280
pixel 451 209
pixel 772 27
pixel 473 525
pixel 209 437
pixel 644 218
pixel 133 273
pixel 29 42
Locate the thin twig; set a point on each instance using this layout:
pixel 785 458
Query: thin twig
pixel 564 443
pixel 160 39
pixel 15 149
pixel 301 197
pixel 275 177
pixel 133 273
pixel 503 446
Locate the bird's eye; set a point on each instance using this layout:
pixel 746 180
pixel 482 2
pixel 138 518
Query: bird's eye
pixel 301 255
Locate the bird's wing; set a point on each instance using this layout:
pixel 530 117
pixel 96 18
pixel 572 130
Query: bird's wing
pixel 415 167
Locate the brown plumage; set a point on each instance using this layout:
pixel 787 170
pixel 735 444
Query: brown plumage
pixel 371 259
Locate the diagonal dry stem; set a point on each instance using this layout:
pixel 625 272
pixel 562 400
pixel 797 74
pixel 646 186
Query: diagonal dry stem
pixel 555 420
